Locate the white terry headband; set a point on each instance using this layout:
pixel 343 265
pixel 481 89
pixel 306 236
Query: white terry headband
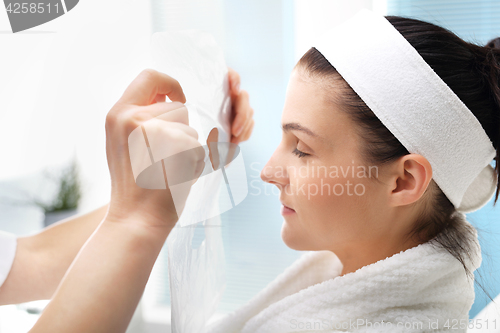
pixel 415 104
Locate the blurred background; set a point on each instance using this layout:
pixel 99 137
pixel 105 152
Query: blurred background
pixel 58 81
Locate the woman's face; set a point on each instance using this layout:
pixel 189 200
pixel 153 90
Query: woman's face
pixel 321 176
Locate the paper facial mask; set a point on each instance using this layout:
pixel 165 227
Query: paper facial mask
pixel 197 278
pixel 193 58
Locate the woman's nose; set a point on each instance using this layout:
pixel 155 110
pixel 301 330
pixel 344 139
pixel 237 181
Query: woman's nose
pixel 274 172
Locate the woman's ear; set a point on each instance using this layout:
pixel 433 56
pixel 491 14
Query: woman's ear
pixel 411 175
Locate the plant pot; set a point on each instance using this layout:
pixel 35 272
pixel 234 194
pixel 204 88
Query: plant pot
pixel 53 217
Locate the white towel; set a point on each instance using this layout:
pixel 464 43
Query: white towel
pixel 424 288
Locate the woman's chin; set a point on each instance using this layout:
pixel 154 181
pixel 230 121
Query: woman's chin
pixel 292 238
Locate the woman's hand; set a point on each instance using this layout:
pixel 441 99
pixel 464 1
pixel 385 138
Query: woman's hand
pixel 242 113
pixel 142 101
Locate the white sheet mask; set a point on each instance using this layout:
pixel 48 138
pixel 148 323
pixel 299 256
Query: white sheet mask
pixel 194 59
pixel 197 278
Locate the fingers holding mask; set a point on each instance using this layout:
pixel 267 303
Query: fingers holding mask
pixel 243 117
pixel 151 85
pixel 159 130
pixel 247 132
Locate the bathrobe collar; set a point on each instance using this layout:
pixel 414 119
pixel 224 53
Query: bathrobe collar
pixel 424 285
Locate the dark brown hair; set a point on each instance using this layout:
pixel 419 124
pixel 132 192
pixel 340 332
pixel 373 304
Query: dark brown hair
pixel 473 73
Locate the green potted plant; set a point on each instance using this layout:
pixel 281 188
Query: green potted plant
pixel 67 198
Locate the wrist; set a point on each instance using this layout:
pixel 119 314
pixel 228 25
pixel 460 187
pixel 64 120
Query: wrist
pixel 141 227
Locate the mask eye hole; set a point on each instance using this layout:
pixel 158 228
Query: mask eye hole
pixel 212 140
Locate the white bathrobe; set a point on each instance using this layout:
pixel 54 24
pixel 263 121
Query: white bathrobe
pixel 422 289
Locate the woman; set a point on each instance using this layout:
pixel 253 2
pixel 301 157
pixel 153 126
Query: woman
pixel 391 251
pixel 94 267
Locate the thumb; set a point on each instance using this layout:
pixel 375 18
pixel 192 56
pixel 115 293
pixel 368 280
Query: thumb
pixel 150 83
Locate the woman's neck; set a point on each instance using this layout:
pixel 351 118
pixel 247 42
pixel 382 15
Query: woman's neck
pixel 367 254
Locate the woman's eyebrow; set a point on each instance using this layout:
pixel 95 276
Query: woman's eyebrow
pixel 298 127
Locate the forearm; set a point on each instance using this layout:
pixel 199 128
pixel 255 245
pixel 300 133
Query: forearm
pixel 42 259
pixel 100 291
pixel 103 285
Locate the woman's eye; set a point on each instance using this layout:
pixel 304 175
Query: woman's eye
pixel 299 153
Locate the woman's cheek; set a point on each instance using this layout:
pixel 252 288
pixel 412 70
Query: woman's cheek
pixel 326 194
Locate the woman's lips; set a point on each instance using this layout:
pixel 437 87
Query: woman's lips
pixel 285 210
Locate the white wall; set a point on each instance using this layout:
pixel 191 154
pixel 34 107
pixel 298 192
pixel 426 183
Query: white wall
pixel 312 17
pixel 58 81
